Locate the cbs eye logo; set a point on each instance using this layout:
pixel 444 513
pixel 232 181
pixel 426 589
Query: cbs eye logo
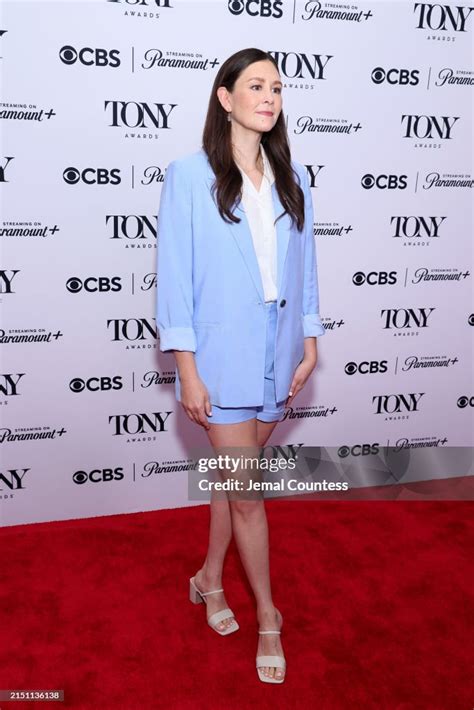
pixel 96 384
pixel 395 76
pixel 90 57
pixel 236 7
pixel 464 401
pixel 264 8
pixel 384 182
pixel 92 176
pixel 374 278
pixel 93 284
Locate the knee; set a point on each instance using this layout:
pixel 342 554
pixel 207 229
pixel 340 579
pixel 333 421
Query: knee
pixel 246 509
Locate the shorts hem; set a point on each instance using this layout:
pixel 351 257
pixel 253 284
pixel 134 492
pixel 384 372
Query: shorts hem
pixel 269 419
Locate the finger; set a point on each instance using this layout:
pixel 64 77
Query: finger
pixel 294 392
pixel 192 415
pixel 201 418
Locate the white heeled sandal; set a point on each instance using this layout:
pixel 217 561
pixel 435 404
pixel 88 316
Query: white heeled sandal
pixel 270 662
pixel 197 597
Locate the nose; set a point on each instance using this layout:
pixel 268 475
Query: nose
pixel 269 98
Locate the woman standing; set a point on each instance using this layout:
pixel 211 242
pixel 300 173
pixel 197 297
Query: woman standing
pixel 238 305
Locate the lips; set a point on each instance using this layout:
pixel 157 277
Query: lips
pixel 265 113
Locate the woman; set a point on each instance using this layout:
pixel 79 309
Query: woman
pixel 238 305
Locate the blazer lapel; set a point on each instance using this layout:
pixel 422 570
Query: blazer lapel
pixel 241 233
pixel 283 229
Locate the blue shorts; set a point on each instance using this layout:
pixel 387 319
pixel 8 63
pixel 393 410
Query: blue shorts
pixel 271 410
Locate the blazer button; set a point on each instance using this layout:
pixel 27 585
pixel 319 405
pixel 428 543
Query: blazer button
pixel 282 302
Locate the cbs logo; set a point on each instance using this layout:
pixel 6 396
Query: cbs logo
pixel 384 182
pixel 366 367
pixel 464 401
pixel 92 176
pixel 89 56
pixel 264 8
pixel 96 384
pixel 395 76
pixel 93 284
pixel 375 278
pixel 358 450
pixel 98 475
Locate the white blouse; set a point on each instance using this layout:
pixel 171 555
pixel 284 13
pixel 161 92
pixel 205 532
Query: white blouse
pixel 258 206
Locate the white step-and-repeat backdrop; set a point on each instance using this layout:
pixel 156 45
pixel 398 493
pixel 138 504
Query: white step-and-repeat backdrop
pixel 98 97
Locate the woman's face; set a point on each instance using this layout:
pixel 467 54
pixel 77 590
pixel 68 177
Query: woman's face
pixel 256 99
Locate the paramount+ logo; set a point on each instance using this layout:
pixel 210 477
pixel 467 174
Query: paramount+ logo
pixel 89 57
pixel 256 8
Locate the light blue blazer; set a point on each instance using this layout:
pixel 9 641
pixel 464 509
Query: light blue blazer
pixel 210 297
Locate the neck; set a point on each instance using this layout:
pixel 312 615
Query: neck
pixel 246 147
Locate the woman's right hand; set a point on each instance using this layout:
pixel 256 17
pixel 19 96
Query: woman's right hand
pixel 195 400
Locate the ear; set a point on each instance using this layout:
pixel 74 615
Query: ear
pixel 223 96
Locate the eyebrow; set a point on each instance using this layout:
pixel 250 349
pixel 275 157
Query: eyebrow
pixel 259 78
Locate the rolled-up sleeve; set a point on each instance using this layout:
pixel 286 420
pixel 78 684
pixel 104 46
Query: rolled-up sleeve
pixel 312 325
pixel 174 307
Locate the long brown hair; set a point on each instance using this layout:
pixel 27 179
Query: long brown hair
pixel 216 142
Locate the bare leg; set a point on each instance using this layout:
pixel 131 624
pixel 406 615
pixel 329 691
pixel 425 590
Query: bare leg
pixel 209 576
pixel 249 524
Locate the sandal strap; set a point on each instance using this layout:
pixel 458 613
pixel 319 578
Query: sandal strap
pixel 214 591
pixel 271 661
pixel 269 632
pixel 220 616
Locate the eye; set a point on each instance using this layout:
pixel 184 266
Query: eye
pixel 259 86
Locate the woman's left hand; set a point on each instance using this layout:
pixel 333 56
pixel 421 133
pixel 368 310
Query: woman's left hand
pixel 302 373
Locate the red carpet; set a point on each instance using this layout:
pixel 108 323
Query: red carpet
pixel 376 598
